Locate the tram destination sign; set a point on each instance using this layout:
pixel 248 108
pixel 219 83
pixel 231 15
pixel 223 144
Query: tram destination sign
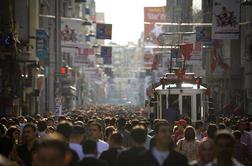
pixel 173 78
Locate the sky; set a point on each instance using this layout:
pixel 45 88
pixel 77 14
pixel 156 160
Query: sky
pixel 127 17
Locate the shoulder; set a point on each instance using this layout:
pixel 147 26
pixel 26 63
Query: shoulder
pixel 174 155
pixel 102 143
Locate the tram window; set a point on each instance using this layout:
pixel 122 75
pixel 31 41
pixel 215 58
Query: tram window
pixel 173 101
pixel 198 106
pixel 186 106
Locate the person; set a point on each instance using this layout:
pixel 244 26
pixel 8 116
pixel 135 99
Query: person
pixel 245 136
pixel 50 151
pixel 241 151
pixel 26 150
pixel 42 126
pixel 206 153
pixel 95 132
pixel 199 129
pixel 76 138
pixel 14 133
pixel 211 131
pixel 90 150
pixel 129 156
pixel 121 123
pixel 179 133
pixel 224 142
pixel 188 145
pixel 108 132
pixel 115 147
pixel 163 152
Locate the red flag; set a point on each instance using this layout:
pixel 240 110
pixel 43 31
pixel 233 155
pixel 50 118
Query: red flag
pixel 186 50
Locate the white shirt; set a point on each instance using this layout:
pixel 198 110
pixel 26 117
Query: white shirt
pixel 160 156
pixel 78 149
pixel 147 142
pixel 101 147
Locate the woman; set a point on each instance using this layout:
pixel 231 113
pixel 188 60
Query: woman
pixel 14 133
pixel 189 145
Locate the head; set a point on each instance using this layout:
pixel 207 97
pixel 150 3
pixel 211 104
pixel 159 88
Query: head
pixel 139 134
pixel 42 125
pixel 109 131
pixel 206 151
pixel 237 135
pixel 222 126
pixel 121 122
pixel 115 140
pixel 189 133
pixel 65 129
pixel 77 134
pixel 29 133
pixel 6 146
pixel 2 130
pixel 242 125
pixel 50 151
pixel 211 130
pixel 198 126
pixel 89 147
pixel 224 142
pixel 181 124
pixel 13 132
pixel 50 122
pixel 163 132
pixel 94 131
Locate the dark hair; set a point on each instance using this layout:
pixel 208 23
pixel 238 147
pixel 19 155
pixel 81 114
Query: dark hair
pixel 62 118
pixel 117 139
pixel 42 125
pixel 6 145
pixel 52 141
pixel 109 130
pixel 2 129
pixel 77 130
pixel 96 124
pixel 31 125
pixel 189 133
pixel 159 123
pixel 139 134
pixel 121 122
pixel 11 130
pixel 211 130
pixel 65 129
pixel 198 124
pixel 237 134
pixel 222 126
pixel 224 134
pixel 89 147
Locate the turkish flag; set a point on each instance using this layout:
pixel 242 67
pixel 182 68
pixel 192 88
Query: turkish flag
pixel 186 50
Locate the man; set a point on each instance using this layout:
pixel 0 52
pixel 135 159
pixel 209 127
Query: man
pixel 26 150
pixel 179 133
pixel 121 122
pixel 162 153
pixel 95 132
pixel 225 141
pixel 130 156
pixel 115 147
pixel 51 151
pixel 241 151
pixel 245 136
pixel 76 138
pixel 90 150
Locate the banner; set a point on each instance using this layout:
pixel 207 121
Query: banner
pixel 41 44
pixel 226 18
pixel 103 31
pixel 152 31
pixel 106 53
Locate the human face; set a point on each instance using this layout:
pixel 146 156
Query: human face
pixel 163 136
pixel 206 151
pixel 48 156
pixel 50 122
pixel 29 134
pixel 94 132
pixel 224 148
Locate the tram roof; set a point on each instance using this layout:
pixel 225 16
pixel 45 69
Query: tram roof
pixel 183 86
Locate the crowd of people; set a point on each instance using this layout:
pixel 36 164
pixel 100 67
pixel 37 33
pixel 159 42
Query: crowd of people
pixel 123 136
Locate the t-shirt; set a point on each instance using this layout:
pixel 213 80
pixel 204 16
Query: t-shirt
pixel 160 156
pixel 101 147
